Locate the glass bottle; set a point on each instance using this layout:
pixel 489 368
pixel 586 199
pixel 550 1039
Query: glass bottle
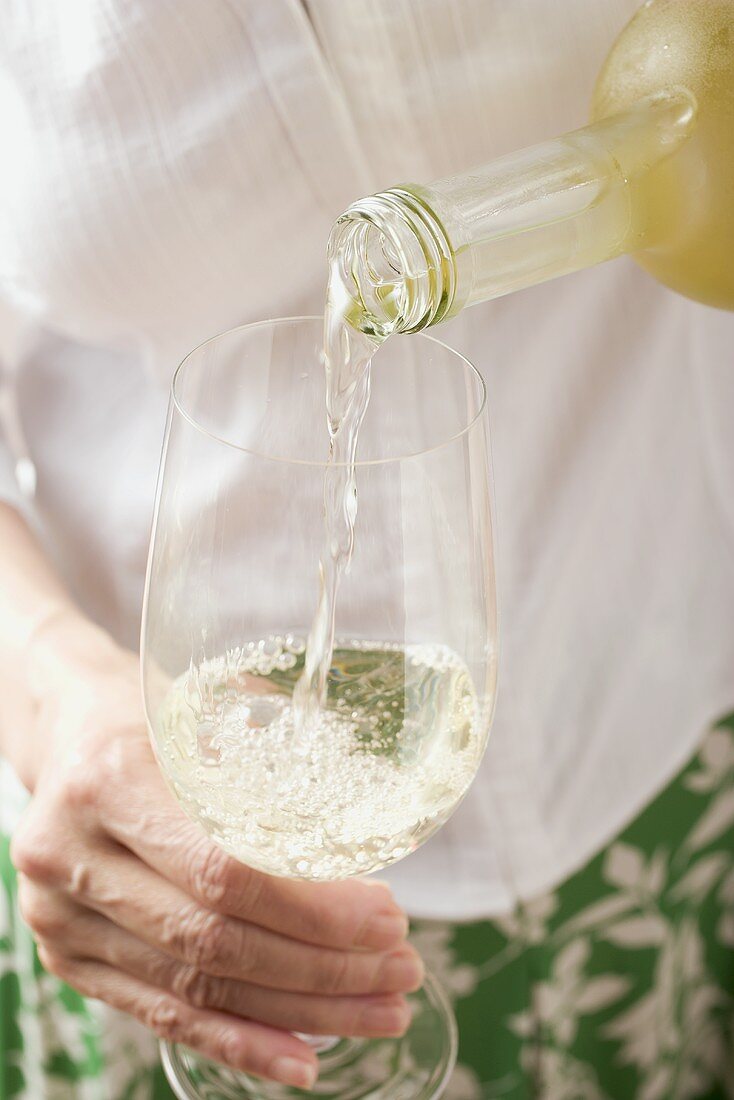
pixel 653 175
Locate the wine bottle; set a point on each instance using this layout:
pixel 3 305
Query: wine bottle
pixel 652 175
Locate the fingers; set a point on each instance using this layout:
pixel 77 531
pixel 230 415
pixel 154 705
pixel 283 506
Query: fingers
pixel 132 896
pixel 118 790
pixel 337 914
pixel 90 936
pixel 244 1045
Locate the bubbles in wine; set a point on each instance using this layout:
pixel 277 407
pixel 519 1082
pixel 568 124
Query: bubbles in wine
pixel 396 746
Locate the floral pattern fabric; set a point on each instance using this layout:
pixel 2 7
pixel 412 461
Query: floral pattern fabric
pixel 618 985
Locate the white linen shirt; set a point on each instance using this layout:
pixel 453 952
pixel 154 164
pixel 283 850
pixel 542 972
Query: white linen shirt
pixel 172 168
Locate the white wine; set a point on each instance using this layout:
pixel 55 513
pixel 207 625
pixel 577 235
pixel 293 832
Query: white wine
pixel 652 176
pixel 397 744
pixel 347 355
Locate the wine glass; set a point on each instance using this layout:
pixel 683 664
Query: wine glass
pixel 231 590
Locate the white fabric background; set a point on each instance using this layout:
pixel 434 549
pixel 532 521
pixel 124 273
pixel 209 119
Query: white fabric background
pixel 172 168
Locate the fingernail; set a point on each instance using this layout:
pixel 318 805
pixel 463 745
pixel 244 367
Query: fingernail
pixel 383 930
pixel 385 1019
pixel 292 1071
pixel 403 972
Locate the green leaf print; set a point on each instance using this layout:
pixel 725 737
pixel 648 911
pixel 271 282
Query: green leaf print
pixel 616 985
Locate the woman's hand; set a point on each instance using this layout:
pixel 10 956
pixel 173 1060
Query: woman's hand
pixel 131 903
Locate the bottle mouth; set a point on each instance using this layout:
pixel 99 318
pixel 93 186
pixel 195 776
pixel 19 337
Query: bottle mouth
pixel 394 263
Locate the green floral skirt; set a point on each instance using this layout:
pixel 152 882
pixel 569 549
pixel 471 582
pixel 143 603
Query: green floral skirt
pixel 619 985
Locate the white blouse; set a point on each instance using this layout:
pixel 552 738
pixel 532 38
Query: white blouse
pixel 172 167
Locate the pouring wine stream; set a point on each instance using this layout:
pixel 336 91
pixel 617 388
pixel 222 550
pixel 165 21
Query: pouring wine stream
pixel 347 358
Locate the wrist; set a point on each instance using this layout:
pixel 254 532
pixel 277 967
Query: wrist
pixel 76 675
pixel 65 647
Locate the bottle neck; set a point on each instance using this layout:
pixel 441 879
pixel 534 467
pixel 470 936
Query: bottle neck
pixel 393 263
pixel 410 256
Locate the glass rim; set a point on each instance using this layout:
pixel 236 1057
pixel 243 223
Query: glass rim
pixel 322 463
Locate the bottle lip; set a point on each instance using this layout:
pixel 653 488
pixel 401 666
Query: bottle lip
pixel 419 241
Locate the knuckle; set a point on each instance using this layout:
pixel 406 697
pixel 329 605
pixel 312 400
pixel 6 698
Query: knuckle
pixel 198 937
pixel 209 943
pixel 251 954
pixel 164 1017
pixel 80 788
pixel 229 1051
pixel 209 875
pixel 34 855
pixel 218 880
pixel 46 957
pixel 103 765
pixel 333 973
pixel 194 986
pixel 78 882
pixel 252 890
pixel 41 915
pixel 54 962
pixel 173 933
